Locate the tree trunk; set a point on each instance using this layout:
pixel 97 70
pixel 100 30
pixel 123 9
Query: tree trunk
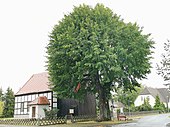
pixel 103 105
pixel 108 110
pixel 103 102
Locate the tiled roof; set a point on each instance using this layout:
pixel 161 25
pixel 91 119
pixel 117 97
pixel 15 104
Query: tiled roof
pixel 37 83
pixel 163 93
pixel 40 101
pixel 145 91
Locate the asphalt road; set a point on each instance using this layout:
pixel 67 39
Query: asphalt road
pixel 160 120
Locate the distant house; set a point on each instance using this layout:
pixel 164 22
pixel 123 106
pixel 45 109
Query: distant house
pixel 119 105
pixel 36 95
pixel 151 94
pixel 116 108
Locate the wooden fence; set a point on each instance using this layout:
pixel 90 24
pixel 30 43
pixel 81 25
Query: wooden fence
pixel 48 121
pixel 34 122
pixel 141 113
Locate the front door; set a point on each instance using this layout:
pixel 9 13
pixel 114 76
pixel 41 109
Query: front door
pixel 33 112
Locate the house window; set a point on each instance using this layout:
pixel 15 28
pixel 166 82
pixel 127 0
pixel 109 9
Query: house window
pixel 16 106
pixel 55 105
pixel 49 95
pixel 16 111
pixel 45 94
pixel 141 98
pixel 25 98
pixel 33 97
pixel 22 106
pixel 29 97
pixel 54 99
pixel 36 95
pixel 22 99
pixel 148 98
pixel 19 99
pixel 41 94
pixel 16 99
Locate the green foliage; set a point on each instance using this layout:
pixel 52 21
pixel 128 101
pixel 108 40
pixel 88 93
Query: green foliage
pixel 159 105
pixel 118 111
pixel 1 94
pixel 164 67
pixel 1 108
pixel 157 102
pixel 128 97
pixel 145 106
pixel 94 40
pixel 163 108
pixel 1 102
pixel 95 47
pixel 51 113
pixel 9 102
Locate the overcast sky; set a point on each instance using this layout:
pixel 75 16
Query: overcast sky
pixel 26 24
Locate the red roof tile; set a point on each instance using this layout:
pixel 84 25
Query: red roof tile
pixel 40 101
pixel 37 83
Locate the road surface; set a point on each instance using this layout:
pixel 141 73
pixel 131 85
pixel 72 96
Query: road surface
pixel 160 120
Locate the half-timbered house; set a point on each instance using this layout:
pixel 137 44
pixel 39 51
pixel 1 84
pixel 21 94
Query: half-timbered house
pixel 29 100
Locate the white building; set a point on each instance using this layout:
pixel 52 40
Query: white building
pixel 36 107
pixel 37 86
pixel 151 94
pixel 36 95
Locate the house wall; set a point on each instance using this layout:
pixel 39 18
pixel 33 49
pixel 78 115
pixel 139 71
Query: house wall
pixel 23 110
pixel 30 111
pixel 114 108
pixel 166 105
pixel 22 103
pixel 39 111
pixel 140 100
pixel 25 116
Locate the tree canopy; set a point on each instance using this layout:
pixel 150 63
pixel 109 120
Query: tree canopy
pixel 164 66
pixel 1 102
pixel 128 97
pixel 96 48
pixel 1 94
pixel 159 105
pixel 9 102
pixel 1 108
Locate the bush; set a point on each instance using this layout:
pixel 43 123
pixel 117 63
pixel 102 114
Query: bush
pixel 145 106
pixel 158 105
pixel 51 113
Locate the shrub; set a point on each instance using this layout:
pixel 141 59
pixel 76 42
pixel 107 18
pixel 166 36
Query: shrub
pixel 51 113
